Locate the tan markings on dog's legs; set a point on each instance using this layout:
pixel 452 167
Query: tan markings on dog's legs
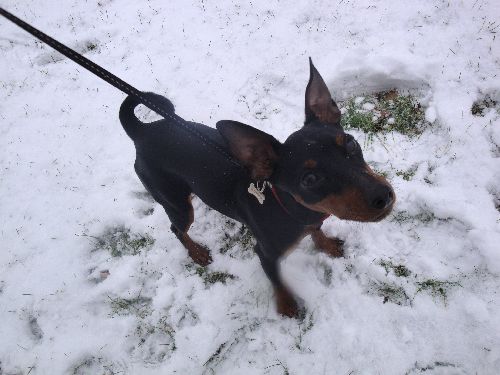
pixel 339 139
pixel 331 246
pixel 286 303
pixel 199 253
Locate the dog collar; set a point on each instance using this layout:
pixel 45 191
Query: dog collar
pixel 258 192
pixel 276 196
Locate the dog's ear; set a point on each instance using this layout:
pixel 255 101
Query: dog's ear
pixel 319 103
pixel 256 150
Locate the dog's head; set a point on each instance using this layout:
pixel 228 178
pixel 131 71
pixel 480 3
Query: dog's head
pixel 320 165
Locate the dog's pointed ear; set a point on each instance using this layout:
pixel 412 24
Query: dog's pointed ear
pixel 256 150
pixel 319 103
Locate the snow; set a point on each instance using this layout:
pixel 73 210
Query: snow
pixel 67 176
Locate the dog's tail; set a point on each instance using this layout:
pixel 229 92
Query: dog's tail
pixel 132 125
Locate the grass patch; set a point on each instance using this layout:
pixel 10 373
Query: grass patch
pixel 120 241
pixel 208 277
pixel 241 237
pixel 404 216
pixel 392 293
pixel 408 174
pixel 423 217
pixel 354 118
pixel 384 112
pixel 479 107
pixel 398 269
pixel 437 288
pixel 156 341
pixel 139 306
pixel 381 172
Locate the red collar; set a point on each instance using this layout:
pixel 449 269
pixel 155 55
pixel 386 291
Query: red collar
pixel 273 189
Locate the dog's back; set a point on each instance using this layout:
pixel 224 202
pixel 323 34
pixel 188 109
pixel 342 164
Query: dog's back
pixel 168 154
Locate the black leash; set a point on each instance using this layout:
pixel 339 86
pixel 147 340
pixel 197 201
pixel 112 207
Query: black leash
pixel 112 80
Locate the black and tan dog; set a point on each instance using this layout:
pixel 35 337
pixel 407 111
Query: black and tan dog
pixel 318 171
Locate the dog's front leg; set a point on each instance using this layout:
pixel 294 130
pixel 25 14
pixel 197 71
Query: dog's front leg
pixel 286 303
pixel 329 245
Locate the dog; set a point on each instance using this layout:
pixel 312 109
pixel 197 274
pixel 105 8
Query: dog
pixel 318 171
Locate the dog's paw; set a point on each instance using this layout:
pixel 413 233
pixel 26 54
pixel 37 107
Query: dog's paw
pixel 288 305
pixel 334 247
pixel 330 246
pixel 200 254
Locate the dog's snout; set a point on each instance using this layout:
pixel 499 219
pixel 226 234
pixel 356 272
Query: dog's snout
pixel 382 198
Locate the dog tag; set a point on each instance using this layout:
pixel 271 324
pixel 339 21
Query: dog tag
pixel 258 193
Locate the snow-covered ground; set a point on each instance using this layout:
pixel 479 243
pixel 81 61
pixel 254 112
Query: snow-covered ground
pixel 415 293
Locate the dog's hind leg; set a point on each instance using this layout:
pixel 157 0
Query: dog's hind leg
pixel 180 226
pixel 175 197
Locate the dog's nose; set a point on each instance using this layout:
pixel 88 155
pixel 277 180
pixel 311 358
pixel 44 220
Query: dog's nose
pixel 383 198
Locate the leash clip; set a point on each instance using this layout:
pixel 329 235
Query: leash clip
pixel 258 192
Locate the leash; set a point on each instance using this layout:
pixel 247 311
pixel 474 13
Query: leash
pixel 113 80
pixel 132 91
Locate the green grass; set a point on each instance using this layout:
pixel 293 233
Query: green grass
pixel 392 112
pixel 437 288
pixel 139 306
pixel 242 237
pixel 404 216
pixel 210 277
pixel 354 118
pixel 380 172
pixel 407 114
pixel 392 293
pixel 120 241
pixel 158 340
pixel 398 269
pixel 408 174
pixel 424 216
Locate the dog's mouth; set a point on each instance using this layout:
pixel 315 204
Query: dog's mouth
pixel 364 216
pixel 382 215
pixel 351 205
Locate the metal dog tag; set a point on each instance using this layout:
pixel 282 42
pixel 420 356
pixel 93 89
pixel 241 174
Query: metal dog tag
pixel 258 193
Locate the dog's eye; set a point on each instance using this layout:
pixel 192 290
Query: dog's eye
pixel 351 146
pixel 310 179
